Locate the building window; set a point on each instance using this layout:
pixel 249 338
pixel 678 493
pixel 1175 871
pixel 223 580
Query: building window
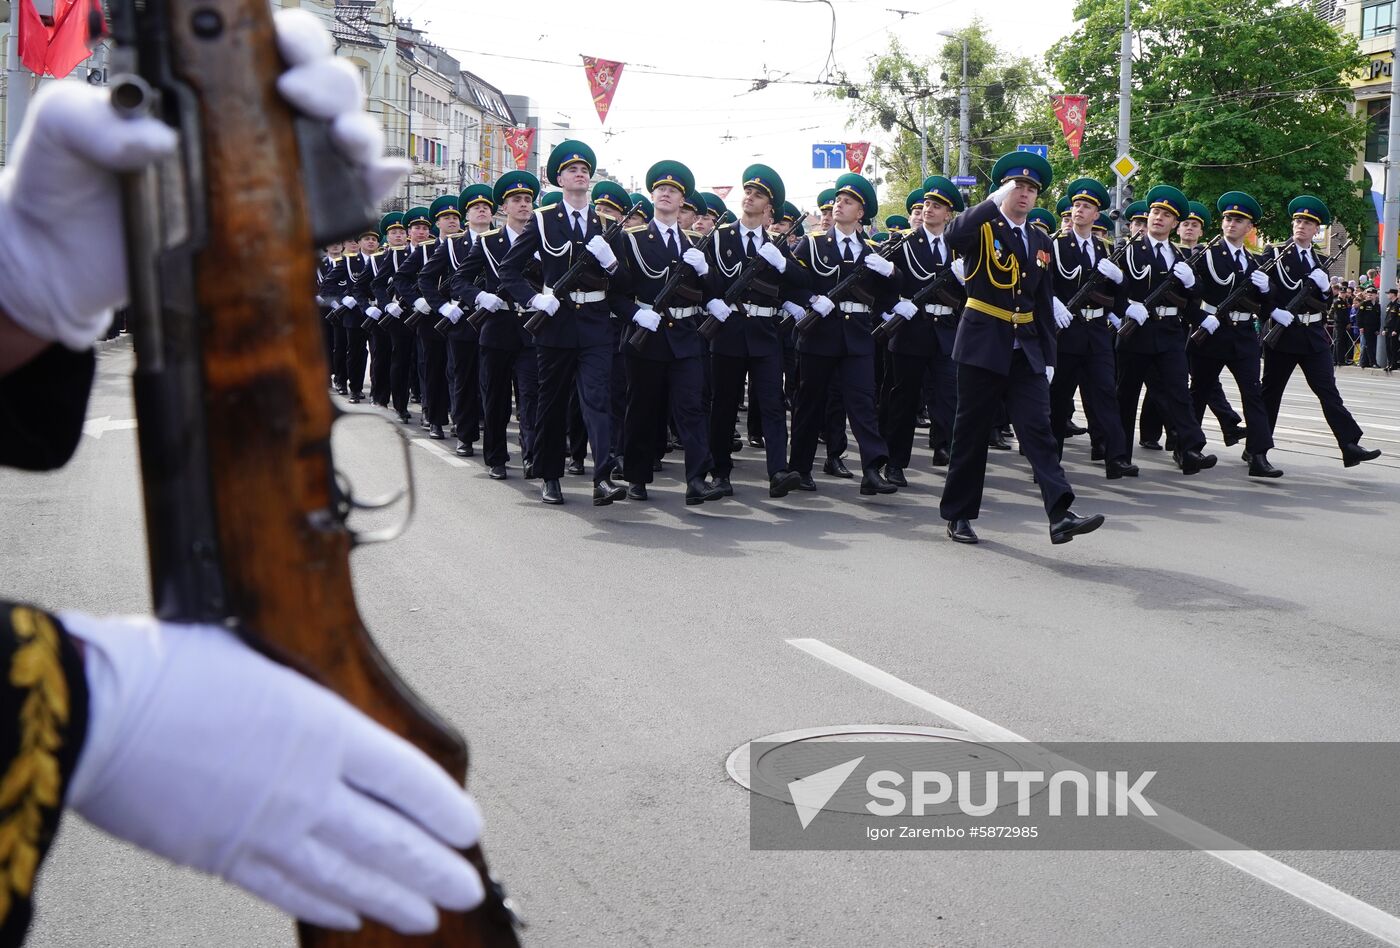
pixel 1377 19
pixel 1377 129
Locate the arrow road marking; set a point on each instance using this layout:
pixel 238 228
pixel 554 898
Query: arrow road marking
pixel 814 791
pixel 97 427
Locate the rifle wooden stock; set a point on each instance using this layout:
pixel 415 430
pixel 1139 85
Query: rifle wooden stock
pixel 244 517
pixel 1274 331
pixel 668 289
pixel 752 268
pixel 535 324
pixel 444 325
pixel 889 329
pixel 1169 285
pixel 844 286
pixel 1094 281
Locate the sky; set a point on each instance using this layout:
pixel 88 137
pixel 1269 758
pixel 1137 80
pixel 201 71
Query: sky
pixel 711 118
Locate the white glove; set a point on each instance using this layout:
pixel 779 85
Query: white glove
pixel 602 252
pixel 1184 273
pixel 1321 279
pixel 1137 313
pixel 879 264
pixel 1282 316
pixel 335 305
pixel 208 754
pixel 695 257
pixel 1109 269
pixel 648 319
pixel 1115 321
pixel 545 302
pixel 886 317
pixel 999 196
pixel 906 309
pixel 373 312
pixel 1260 279
pixel 1063 317
pixel 422 306
pixel 793 310
pixel 349 302
pixel 822 305
pixel 959 270
pixel 1210 324
pixel 1049 373
pixel 774 256
pixel 451 310
pixel 489 301
pixel 394 309
pixel 718 309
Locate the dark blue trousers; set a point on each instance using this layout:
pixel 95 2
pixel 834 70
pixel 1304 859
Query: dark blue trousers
pixel 1092 374
pixel 590 369
pixel 464 379
pixel 653 387
pixel 432 352
pixel 499 368
pixel 1322 379
pixel 912 381
pixel 766 381
pixel 854 376
pixel 1164 374
pixel 1244 366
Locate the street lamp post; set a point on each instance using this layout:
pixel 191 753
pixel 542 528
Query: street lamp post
pixel 964 105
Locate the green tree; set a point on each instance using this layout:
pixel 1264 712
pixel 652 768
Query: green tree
pixel 1227 94
pixel 908 91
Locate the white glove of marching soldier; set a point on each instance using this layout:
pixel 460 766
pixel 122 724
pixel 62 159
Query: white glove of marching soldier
pixel 349 302
pixel 212 756
pixel 489 301
pixel 1320 279
pixel 959 269
pixel 793 310
pixel 63 168
pixel 1282 316
pixel 879 264
pixel 774 256
pixel 1210 324
pixel 1114 321
pixel 394 309
pixel 1184 273
pixel 718 309
pixel 1063 317
pixel 601 252
pixel 695 258
pixel 451 310
pixel 1137 313
pixel 648 319
pixel 1110 269
pixel 822 305
pixel 1260 279
pixel 423 306
pixel 373 312
pixel 546 303
pixel 906 309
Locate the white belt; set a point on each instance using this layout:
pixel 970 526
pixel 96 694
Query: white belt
pixel 1092 313
pixel 934 309
pixel 582 296
pixel 852 307
pixel 1166 310
pixel 767 312
pixel 675 312
pixel 1240 317
pixel 1307 319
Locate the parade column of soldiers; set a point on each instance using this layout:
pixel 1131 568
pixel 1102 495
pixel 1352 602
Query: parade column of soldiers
pixel 1037 310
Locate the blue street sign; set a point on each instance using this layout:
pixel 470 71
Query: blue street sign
pixel 1041 150
pixel 965 180
pixel 829 156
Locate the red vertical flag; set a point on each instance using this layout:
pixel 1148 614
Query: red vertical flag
pixel 855 155
pixel 722 190
pixel 519 140
pixel 603 76
pixel 57 49
pixel 1073 112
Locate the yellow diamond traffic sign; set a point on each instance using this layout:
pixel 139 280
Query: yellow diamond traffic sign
pixel 1125 167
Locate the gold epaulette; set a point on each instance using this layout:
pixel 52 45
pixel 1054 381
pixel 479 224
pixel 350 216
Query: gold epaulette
pixel 726 226
pixel 693 235
pixel 816 233
pixel 636 230
pixel 492 233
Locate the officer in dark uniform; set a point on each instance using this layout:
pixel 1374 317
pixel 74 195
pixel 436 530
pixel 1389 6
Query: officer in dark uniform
pixel 921 350
pixel 418 221
pixel 506 351
pixel 1391 329
pixel 330 287
pixel 663 368
pixel 749 339
pixel 611 201
pixel 1062 212
pixel 394 359
pixel 362 289
pixel 1005 349
pixel 914 206
pixel 644 209
pixel 460 358
pixel 839 345
pixel 573 346
pixel 1155 353
pixel 354 263
pixel 432 347
pixel 1085 335
pixel 1304 342
pixel 1043 221
pixel 1368 323
pixel 1232 337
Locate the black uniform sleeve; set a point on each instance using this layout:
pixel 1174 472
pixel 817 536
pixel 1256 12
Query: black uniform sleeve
pixel 42 406
pixel 437 270
pixel 43 721
pixel 462 283
pixel 621 283
pixel 513 281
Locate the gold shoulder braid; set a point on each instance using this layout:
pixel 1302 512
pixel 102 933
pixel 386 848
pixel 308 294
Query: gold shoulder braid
pixel 41 734
pixel 1003 275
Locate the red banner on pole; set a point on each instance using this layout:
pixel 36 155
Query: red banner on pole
pixel 855 155
pixel 603 76
pixel 723 190
pixel 56 49
pixel 519 141
pixel 1073 112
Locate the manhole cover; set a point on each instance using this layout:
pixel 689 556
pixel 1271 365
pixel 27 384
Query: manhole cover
pixel 931 748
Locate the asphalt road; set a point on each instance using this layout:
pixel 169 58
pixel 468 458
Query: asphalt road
pixel 605 662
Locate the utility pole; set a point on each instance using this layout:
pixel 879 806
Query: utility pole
pixel 964 109
pixel 1125 95
pixel 923 134
pixel 947 145
pixel 1392 202
pixel 16 85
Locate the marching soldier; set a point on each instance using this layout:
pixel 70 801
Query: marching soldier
pixel 1137 214
pixel 921 351
pixel 395 360
pixel 573 346
pixel 826 200
pixel 1232 339
pixel 1189 233
pixel 1086 334
pixel 1304 342
pixel 1155 352
pixel 432 347
pixel 914 206
pixel 507 351
pixel 708 219
pixel 330 287
pixel 1062 207
pixel 358 274
pixel 1005 349
pixel 459 347
pixel 1043 221
pixel 419 221
pixel 366 301
pixel 839 346
pixel 643 213
pixel 750 339
pixel 663 368
pixel 611 202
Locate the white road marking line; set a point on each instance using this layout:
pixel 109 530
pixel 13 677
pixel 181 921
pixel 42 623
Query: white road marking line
pixel 97 427
pixel 440 452
pixel 1300 885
